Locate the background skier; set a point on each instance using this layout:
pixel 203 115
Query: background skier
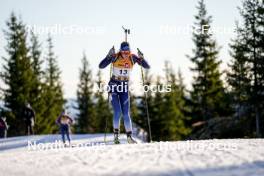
pixel 29 117
pixel 122 64
pixel 3 127
pixel 64 121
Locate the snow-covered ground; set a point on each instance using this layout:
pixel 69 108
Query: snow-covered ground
pixel 243 157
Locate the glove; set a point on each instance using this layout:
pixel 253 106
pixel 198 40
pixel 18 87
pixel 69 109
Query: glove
pixel 111 52
pixel 140 54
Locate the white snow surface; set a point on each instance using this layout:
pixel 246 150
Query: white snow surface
pixel 226 157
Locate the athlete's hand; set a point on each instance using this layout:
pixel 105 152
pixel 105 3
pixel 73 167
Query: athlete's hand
pixel 111 52
pixel 140 54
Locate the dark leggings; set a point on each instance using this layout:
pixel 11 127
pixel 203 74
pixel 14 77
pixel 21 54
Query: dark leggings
pixel 65 131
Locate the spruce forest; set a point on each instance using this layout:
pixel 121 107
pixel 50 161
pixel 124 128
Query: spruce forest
pixel 220 104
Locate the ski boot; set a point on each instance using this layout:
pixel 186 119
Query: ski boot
pixel 116 136
pixel 130 140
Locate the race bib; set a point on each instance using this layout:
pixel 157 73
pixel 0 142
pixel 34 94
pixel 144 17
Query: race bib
pixel 122 67
pixel 121 72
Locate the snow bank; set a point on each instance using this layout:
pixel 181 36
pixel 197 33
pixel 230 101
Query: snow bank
pixel 243 157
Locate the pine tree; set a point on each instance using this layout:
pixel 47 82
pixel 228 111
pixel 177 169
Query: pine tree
pixel 238 76
pixel 252 33
pixel 156 114
pixel 17 74
pixel 102 109
pixel 37 97
pixel 182 102
pixel 53 93
pixel 85 99
pixel 171 107
pixel 208 91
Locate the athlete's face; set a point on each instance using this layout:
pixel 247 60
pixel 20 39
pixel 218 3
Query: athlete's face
pixel 125 54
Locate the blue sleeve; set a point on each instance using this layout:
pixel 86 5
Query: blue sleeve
pixel 106 61
pixel 140 61
pixel 58 120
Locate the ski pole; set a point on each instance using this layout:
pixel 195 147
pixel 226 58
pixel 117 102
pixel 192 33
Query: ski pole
pixel 105 129
pixel 108 100
pixel 146 99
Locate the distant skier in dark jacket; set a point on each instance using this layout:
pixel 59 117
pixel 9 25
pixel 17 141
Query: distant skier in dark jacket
pixel 64 121
pixel 122 63
pixel 3 127
pixel 29 117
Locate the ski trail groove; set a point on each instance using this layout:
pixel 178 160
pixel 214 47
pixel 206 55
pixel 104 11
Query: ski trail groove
pixel 189 173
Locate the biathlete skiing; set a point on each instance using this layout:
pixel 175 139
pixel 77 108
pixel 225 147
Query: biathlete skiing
pixel 122 63
pixel 64 121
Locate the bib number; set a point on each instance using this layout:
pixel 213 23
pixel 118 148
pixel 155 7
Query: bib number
pixel 123 72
